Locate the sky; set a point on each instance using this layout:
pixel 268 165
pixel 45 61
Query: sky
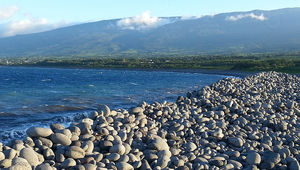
pixel 27 16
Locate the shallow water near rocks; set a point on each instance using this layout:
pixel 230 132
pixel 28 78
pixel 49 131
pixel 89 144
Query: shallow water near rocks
pixel 41 96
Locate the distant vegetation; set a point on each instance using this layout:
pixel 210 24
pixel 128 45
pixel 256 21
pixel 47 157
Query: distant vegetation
pixel 289 63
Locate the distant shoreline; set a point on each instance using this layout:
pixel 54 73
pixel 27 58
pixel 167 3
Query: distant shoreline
pixel 235 73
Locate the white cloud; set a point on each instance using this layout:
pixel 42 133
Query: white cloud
pixel 188 17
pixel 143 21
pixel 28 25
pixel 260 17
pixel 11 24
pixel 8 12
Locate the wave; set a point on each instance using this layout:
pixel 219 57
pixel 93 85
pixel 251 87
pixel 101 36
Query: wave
pixel 41 120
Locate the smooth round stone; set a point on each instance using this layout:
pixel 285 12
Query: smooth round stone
pixel 105 145
pixel 127 148
pixel 90 146
pixel 93 115
pixel 190 146
pixel 46 142
pixel 218 133
pixel 284 151
pixel 20 164
pixel 48 154
pixel 66 132
pixel 57 126
pixel 18 145
pixel 145 165
pixel 105 109
pixel 90 167
pixel 216 162
pixel 236 164
pixel 229 167
pixel 137 110
pixel 175 151
pixel 38 132
pixel 201 160
pixel 271 157
pixel 294 165
pixel 124 158
pixel 75 152
pixel 10 153
pixel 30 155
pixel 44 166
pixel 163 161
pixel 88 121
pixel 253 158
pixel 60 138
pixel 68 163
pixel 124 166
pixel 2 156
pixel 85 128
pixel 104 131
pixel 237 142
pixel 267 165
pixel 120 149
pixel 5 163
pixel 123 135
pixel 113 157
pixel 159 144
pixel 98 157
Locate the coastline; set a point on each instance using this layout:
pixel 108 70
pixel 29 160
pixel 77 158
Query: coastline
pixel 227 125
pixel 235 73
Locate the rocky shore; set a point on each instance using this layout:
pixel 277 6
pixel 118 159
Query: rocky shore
pixel 250 123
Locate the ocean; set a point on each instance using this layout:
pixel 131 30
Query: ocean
pixel 31 96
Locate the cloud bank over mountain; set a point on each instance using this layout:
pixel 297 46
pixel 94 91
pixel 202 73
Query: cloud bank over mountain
pixel 8 12
pixel 13 22
pixel 141 22
pixel 11 25
pixel 260 17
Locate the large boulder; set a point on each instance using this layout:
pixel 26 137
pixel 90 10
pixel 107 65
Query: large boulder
pixel 60 138
pixel 30 155
pixel 39 132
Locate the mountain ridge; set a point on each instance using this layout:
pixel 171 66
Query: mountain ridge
pixel 235 32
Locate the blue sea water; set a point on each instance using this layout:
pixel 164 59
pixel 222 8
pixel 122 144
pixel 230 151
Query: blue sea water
pixel 42 96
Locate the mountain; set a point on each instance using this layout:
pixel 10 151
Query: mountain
pixel 236 32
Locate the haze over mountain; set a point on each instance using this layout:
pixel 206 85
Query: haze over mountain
pixel 237 32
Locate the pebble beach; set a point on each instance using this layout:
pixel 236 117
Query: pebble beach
pixel 249 123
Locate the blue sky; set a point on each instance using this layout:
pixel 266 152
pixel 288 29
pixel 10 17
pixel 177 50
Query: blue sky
pixel 26 16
